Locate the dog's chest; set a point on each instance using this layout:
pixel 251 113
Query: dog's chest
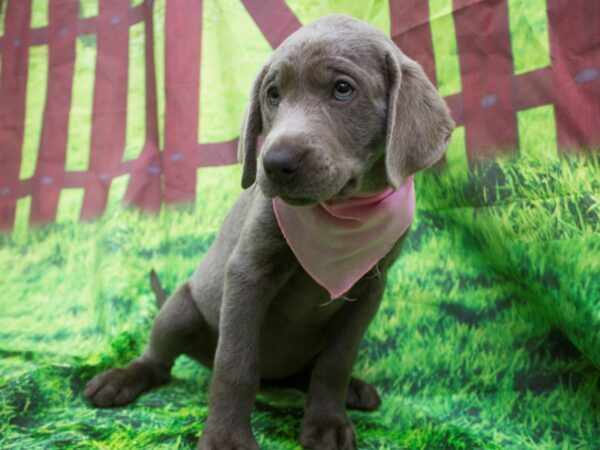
pixel 295 326
pixel 302 300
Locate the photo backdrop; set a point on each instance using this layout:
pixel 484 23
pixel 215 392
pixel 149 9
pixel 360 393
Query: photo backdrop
pixel 118 126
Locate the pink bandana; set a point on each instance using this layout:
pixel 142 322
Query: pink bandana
pixel 338 241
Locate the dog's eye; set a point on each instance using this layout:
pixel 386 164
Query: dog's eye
pixel 273 96
pixel 342 91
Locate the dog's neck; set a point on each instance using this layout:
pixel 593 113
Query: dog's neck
pixel 374 180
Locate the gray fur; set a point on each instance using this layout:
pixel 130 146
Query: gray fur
pixel 249 311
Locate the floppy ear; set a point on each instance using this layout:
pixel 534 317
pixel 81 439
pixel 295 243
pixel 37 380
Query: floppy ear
pixel 251 128
pixel 419 122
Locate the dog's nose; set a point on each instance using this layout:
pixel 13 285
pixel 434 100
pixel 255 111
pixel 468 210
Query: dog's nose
pixel 281 163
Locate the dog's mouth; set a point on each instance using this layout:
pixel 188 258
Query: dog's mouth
pixel 345 192
pixel 299 201
pixel 348 190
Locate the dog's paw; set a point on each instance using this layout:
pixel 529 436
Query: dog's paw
pixel 115 387
pixel 232 440
pixel 362 396
pixel 331 432
pixel 118 387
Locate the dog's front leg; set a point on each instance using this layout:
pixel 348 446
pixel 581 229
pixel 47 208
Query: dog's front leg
pixel 325 424
pixel 252 278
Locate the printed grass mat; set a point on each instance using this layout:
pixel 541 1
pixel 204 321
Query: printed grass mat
pixel 488 337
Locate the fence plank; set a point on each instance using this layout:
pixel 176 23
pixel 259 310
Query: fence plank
pixel 217 154
pixel 12 107
pixel 533 89
pixel 182 81
pixel 144 189
pixel 110 103
pixel 51 158
pixel 412 34
pixel 274 18
pixel 487 72
pixel 574 43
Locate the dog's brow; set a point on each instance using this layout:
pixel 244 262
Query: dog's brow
pixel 342 64
pixel 270 77
pixel 283 71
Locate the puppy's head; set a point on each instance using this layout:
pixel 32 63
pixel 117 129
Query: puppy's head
pixel 336 102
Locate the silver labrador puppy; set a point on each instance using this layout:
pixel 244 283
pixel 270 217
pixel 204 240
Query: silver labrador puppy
pixel 343 113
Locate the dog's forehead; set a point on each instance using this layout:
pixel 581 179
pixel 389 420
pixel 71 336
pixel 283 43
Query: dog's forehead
pixel 331 36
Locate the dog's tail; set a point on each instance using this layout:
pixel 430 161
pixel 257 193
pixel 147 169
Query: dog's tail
pixel 159 293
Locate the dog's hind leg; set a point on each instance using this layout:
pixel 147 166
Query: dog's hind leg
pixel 361 396
pixel 178 328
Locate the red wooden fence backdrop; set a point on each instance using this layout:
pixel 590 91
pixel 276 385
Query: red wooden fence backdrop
pixel 492 94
